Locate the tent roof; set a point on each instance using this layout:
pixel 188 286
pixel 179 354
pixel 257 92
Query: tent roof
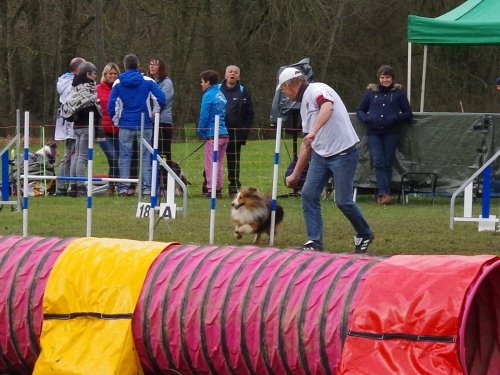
pixel 474 22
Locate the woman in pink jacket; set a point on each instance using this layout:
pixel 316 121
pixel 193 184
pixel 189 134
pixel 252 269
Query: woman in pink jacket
pixel 107 133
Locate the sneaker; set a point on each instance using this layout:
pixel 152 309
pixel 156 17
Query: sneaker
pixel 361 243
pixel 312 246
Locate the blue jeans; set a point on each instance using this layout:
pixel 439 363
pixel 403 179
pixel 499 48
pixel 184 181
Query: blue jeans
pixel 127 137
pixel 64 169
pixel 111 148
pixel 383 152
pixel 80 160
pixel 343 167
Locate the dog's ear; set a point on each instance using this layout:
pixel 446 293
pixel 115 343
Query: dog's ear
pixel 252 189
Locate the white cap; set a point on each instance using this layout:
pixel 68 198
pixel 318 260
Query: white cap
pixel 286 75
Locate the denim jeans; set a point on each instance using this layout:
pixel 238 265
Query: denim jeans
pixel 127 137
pixel 64 169
pixel 111 148
pixel 342 167
pixel 383 152
pixel 80 160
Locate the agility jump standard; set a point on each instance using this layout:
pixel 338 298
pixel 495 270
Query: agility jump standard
pixel 156 158
pixel 486 220
pixel 113 306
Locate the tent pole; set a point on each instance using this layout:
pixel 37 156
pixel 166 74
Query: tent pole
pixel 424 74
pixel 408 79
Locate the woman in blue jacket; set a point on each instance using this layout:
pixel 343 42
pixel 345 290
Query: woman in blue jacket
pixel 384 109
pixel 213 102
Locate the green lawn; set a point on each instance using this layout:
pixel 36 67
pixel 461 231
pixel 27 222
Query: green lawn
pixel 417 228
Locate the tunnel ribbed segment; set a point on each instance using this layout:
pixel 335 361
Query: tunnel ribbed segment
pixel 246 310
pixel 25 264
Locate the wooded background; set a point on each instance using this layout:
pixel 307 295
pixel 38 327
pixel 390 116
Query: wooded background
pixel 346 40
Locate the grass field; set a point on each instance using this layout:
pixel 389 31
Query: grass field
pixel 416 228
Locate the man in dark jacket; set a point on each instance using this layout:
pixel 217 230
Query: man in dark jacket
pixel 239 120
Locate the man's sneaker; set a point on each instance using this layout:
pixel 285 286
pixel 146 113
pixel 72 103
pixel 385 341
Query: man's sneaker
pixel 312 246
pixel 361 243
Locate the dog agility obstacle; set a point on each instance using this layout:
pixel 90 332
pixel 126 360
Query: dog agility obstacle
pixel 156 159
pixel 111 306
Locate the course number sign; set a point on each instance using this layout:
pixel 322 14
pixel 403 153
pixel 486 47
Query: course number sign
pixel 166 211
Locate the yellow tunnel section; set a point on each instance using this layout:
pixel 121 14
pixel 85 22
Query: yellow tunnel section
pixel 88 306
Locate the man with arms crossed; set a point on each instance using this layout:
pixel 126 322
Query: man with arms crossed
pixel 239 120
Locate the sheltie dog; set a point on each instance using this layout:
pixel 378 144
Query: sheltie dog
pixel 251 214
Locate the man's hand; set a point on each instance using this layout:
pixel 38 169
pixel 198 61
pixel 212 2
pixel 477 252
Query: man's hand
pixel 309 138
pixel 292 180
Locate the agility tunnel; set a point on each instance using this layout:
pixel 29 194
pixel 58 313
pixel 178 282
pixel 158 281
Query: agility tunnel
pixel 109 306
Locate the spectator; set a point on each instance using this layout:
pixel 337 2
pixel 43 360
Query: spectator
pixel 213 103
pixel 82 100
pixel 64 128
pixel 384 109
pixel 130 97
pixel 158 71
pixel 330 143
pixel 107 133
pixel 239 120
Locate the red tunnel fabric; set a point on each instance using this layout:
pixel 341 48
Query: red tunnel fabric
pixel 246 310
pixel 25 264
pixel 408 316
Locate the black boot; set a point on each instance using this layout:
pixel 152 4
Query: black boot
pixel 73 191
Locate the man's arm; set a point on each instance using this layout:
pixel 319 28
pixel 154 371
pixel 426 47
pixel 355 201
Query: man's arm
pixel 302 161
pixel 325 112
pixel 249 115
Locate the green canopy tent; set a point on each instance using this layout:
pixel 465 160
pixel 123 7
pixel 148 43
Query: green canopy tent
pixel 475 22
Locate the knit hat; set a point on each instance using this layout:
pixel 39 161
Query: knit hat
pixel 498 81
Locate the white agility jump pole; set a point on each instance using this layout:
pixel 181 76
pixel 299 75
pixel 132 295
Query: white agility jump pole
pixel 213 196
pixel 154 175
pixel 25 178
pixel 275 180
pixel 90 169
